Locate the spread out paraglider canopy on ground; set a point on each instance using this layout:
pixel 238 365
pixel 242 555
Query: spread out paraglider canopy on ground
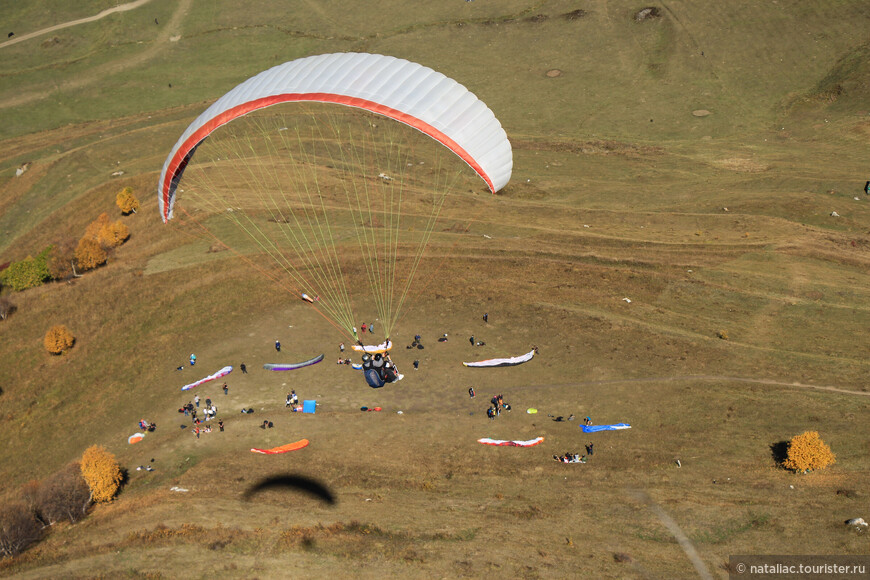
pixel 506 443
pixel 290 367
pixel 283 448
pixel 614 427
pixel 135 438
pixel 334 170
pixel 502 362
pixel 221 373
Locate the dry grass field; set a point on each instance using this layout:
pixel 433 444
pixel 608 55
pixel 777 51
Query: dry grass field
pixel 747 324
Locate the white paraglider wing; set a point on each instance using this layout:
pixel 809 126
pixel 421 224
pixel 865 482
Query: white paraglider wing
pixel 407 92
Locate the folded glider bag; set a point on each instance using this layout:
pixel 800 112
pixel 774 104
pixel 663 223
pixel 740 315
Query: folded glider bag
pixel 309 406
pixel 615 427
pixel 283 448
pixel 290 367
pixel 503 443
pixel 221 373
pixel 502 362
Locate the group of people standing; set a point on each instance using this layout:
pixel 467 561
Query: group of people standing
pixel 496 404
pixel 192 409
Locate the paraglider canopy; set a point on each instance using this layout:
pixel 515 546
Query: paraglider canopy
pixel 336 167
pixel 396 88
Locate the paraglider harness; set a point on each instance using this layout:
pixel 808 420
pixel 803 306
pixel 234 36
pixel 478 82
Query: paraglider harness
pixel 378 369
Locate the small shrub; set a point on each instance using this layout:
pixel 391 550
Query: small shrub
pixel 807 452
pixel 58 339
pixel 723 334
pixel 126 201
pixel 89 254
pixel 101 472
pixel 18 529
pixel 27 273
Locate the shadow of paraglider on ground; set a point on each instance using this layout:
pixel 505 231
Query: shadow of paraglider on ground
pixel 290 483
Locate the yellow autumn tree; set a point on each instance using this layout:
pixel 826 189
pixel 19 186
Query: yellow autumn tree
pixel 113 234
pixel 93 230
pixel 89 254
pixel 58 339
pixel 807 451
pixel 126 201
pixel 101 472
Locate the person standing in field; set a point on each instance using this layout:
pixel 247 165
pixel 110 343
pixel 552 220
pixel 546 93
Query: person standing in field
pixel 277 346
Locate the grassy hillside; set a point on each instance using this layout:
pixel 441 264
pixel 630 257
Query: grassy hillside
pixel 689 161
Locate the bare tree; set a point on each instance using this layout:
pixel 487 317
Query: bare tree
pixel 18 529
pixel 61 260
pixel 63 496
pixel 6 308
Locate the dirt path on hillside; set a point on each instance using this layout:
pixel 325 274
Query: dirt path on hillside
pixel 103 14
pixel 102 72
pixel 707 378
pixel 675 530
